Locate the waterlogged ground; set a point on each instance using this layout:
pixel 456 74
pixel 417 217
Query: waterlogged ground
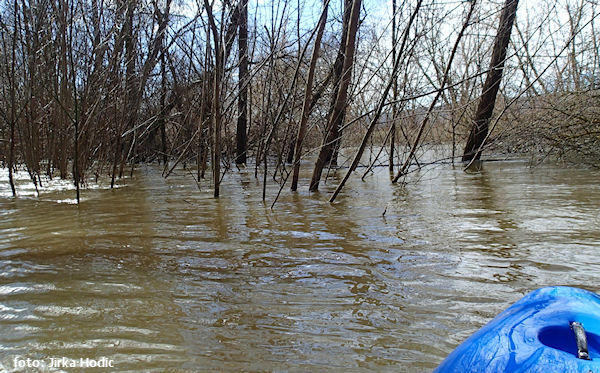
pixel 156 275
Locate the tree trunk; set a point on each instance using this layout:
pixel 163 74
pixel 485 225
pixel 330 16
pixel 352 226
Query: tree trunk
pixel 162 118
pixel 242 121
pixel 485 109
pixel 216 104
pixel 394 92
pixel 13 102
pixel 341 101
pixel 64 96
pixel 307 98
pixel 380 105
pixel 127 114
pixel 76 166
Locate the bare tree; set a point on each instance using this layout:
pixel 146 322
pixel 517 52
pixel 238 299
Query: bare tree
pixel 484 112
pixel 242 121
pixel 306 107
pixel 339 107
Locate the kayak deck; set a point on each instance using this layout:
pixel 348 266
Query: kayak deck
pixel 535 335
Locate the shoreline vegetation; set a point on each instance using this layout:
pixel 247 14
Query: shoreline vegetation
pixel 90 89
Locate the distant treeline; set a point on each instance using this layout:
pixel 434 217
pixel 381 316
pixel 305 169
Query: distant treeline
pixel 90 88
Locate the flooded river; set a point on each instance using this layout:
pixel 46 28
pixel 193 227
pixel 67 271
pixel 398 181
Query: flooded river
pixel 156 275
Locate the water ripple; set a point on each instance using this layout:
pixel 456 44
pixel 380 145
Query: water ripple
pixel 159 276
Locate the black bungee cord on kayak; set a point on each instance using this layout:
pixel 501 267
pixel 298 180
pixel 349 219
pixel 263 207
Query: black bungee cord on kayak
pixel 581 339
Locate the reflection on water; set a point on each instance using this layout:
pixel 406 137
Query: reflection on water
pixel 158 275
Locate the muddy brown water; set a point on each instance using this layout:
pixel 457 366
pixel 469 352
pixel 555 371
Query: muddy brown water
pixel 156 275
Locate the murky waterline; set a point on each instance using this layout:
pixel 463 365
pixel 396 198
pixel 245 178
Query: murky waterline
pixel 156 275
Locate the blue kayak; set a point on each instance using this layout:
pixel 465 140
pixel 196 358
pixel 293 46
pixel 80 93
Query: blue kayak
pixel 553 329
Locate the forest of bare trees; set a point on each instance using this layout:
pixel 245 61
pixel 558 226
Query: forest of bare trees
pixel 91 88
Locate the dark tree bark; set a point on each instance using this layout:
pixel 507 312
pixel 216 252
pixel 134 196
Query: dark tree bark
pixel 337 113
pixel 331 150
pixel 242 121
pixel 485 109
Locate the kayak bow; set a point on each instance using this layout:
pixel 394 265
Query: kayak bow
pixel 553 329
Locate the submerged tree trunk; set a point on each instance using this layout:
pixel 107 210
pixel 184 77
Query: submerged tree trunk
pixel 127 40
pixel 76 165
pixel 163 111
pixel 479 129
pixel 64 95
pixel 339 108
pixel 380 105
pixel 13 103
pixel 308 98
pixel 395 92
pixel 216 105
pixel 242 121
